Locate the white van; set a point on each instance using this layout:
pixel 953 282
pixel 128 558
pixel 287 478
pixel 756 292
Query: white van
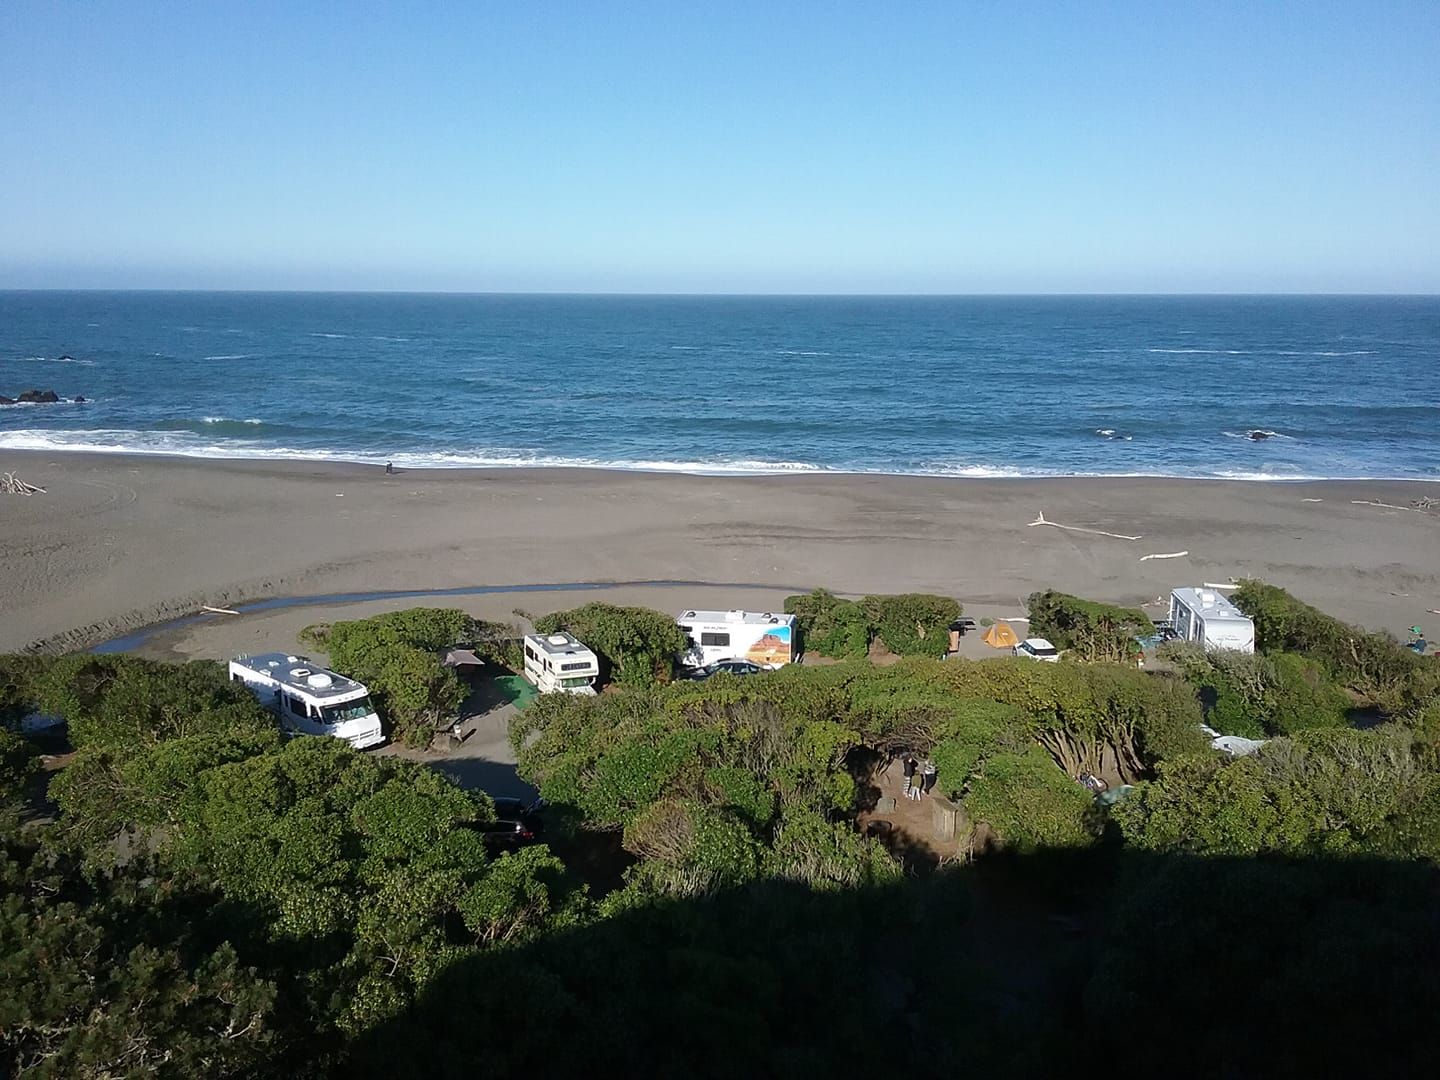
pixel 558 663
pixel 310 700
pixel 761 637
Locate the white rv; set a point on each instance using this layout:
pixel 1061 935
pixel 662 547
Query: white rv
pixel 557 663
pixel 310 700
pixel 1210 620
pixel 761 637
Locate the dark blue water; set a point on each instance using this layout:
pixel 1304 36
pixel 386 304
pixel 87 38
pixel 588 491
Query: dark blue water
pixel 1349 386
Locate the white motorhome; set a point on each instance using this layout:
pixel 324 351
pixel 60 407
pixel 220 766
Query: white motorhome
pixel 310 700
pixel 1210 620
pixel 558 663
pixel 761 637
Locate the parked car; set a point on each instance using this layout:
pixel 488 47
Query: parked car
pixel 1037 648
pixel 727 667
pixel 517 823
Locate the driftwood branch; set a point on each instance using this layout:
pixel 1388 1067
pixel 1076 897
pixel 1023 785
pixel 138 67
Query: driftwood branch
pixel 1076 528
pixel 10 484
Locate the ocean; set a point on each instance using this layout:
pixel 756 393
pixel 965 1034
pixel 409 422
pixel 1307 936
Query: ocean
pixel 1243 387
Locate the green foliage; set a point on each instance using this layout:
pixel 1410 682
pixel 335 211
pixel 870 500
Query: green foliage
pixel 1331 792
pixel 1030 803
pixel 124 701
pixel 1375 666
pixel 830 626
pixel 1091 631
pixel 638 646
pixel 1254 694
pixel 911 624
pixel 18 762
pixel 398 656
pixel 121 976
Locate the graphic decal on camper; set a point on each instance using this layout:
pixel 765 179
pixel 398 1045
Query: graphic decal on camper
pixel 771 648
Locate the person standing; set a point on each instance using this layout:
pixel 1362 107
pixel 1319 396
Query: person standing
pixel 927 777
pixel 909 765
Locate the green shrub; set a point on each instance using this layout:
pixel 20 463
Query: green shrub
pixel 126 701
pixel 636 646
pixel 1031 803
pixel 1375 666
pixel 912 624
pixel 829 626
pixel 397 655
pixel 1092 631
pixel 1255 695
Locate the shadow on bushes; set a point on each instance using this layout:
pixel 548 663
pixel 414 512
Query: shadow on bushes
pixel 1026 965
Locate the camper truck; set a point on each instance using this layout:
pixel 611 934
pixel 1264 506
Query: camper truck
pixel 310 700
pixel 1210 620
pixel 557 663
pixel 761 637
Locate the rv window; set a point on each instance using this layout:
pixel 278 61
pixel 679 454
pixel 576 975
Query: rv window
pixel 531 653
pixel 295 705
pixel 582 666
pixel 714 639
pixel 351 710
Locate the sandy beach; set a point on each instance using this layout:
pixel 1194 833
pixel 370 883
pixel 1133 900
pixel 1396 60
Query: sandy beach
pixel 120 542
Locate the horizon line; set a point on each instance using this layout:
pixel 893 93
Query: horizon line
pixel 647 294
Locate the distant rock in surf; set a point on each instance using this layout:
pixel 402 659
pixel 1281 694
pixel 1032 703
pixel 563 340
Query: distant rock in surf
pixel 38 397
pixel 65 358
pixel 79 399
pixel 6 400
pixel 1111 433
pixel 1257 435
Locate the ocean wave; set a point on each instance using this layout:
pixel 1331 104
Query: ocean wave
pixel 330 335
pixel 233 356
pixel 228 420
pixel 195 444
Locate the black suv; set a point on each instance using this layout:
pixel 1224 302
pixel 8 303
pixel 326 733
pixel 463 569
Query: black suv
pixel 517 823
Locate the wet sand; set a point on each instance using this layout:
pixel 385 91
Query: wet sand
pixel 119 542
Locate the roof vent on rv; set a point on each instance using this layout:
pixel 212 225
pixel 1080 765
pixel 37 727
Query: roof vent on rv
pixel 558 639
pixel 319 680
pixel 292 659
pixel 300 672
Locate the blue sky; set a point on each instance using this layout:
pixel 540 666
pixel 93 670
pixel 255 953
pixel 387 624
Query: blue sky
pixel 765 147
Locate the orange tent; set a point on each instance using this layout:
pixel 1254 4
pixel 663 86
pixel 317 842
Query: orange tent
pixel 1000 636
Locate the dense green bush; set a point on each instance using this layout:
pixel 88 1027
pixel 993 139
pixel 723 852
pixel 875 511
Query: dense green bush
pixel 1330 792
pixel 636 646
pixel 830 626
pixel 398 656
pixel 910 624
pixel 1375 666
pixel 1090 630
pixel 1255 694
pixel 126 701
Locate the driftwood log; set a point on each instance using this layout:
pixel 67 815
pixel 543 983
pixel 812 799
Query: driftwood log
pixel 10 484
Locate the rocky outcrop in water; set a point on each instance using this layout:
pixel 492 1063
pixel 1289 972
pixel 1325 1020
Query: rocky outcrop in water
pixel 37 397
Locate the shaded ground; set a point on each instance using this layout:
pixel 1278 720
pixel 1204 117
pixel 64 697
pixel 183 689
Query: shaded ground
pixel 908 830
pixel 481 759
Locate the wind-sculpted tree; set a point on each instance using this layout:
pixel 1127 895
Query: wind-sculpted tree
pixel 830 626
pixel 636 646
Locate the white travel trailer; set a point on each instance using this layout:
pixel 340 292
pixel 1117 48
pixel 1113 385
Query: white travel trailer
pixel 1210 620
pixel 557 663
pixel 310 700
pixel 761 637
